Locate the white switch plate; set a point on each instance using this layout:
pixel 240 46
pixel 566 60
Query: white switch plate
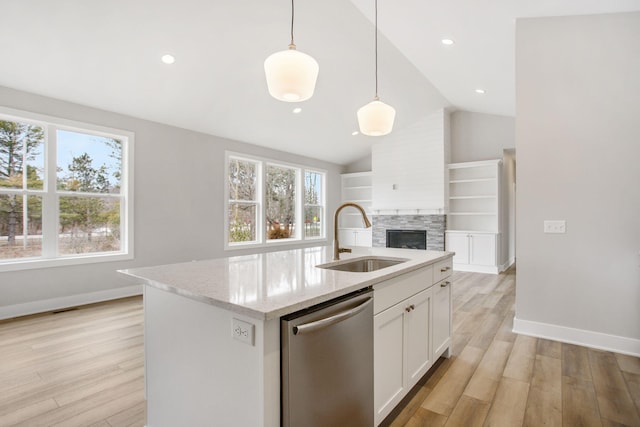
pixel 242 331
pixel 555 226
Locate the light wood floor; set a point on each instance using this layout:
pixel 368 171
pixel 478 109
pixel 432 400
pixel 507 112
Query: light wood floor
pixel 77 368
pixel 85 368
pixel 498 378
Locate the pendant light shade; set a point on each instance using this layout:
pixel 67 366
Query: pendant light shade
pixel 376 118
pixel 291 75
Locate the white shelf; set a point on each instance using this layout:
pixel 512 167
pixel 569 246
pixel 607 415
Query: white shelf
pixel 473 197
pixel 460 181
pixel 359 187
pixel 472 213
pixel 356 188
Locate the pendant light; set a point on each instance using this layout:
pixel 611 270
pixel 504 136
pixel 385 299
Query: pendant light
pixel 291 75
pixel 376 118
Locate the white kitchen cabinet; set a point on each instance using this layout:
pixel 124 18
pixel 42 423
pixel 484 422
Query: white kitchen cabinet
pixel 402 351
pixel 474 251
pixel 417 331
pixel 355 237
pixel 412 327
pixel 442 325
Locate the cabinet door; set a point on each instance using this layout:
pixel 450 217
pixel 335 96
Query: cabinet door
pixel 417 348
pixel 458 243
pixel 346 238
pixel 482 249
pixel 364 237
pixel 441 317
pixel 388 361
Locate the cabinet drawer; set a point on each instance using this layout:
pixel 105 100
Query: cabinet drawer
pixel 442 269
pixel 392 291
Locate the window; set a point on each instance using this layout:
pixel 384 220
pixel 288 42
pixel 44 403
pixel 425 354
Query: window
pixel 270 202
pixel 64 190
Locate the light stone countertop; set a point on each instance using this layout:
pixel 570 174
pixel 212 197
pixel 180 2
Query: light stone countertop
pixel 273 284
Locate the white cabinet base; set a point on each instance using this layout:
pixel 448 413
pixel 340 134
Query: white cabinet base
pixel 474 251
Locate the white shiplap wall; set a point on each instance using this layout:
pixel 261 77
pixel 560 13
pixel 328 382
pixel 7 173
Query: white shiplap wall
pixel 409 168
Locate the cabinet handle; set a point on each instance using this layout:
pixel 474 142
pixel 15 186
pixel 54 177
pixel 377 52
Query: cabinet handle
pixel 445 284
pixel 412 307
pixel 407 309
pixel 443 269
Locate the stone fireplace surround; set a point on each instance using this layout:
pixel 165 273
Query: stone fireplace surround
pixel 434 224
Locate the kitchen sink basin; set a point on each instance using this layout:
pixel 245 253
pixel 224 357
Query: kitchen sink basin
pixel 363 265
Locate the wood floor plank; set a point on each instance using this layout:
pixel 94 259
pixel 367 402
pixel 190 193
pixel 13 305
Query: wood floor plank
pixel 579 403
pixel 468 412
pixel 522 358
pixel 446 393
pixel 549 348
pixel 628 363
pixel 20 414
pixel 509 404
pixel 575 362
pixel 133 416
pixel 544 404
pixel 485 380
pixel 425 418
pixel 633 385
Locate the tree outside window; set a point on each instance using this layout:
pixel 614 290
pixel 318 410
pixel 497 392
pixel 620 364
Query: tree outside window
pixel 85 194
pixel 270 202
pixel 21 170
pixel 280 202
pixel 243 204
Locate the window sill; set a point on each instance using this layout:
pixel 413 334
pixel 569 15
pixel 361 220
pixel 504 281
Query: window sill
pixel 36 263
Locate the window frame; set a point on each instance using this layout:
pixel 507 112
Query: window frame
pixel 51 195
pixel 261 231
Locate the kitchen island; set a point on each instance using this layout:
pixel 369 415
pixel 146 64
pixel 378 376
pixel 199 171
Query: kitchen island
pixel 212 327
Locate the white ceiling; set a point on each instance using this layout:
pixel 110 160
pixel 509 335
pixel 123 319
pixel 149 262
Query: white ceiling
pixel 106 54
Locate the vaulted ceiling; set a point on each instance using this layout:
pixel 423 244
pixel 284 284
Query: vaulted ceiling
pixel 106 54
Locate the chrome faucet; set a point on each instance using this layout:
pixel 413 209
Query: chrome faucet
pixel 337 250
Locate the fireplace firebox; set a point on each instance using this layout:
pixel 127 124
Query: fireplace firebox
pixel 409 239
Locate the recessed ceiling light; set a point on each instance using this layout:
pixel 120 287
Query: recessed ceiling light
pixel 168 59
pixel 354 133
pixel 447 42
pixel 480 91
pixel 297 110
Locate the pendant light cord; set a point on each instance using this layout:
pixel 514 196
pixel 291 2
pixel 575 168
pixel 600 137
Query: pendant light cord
pixel 376 47
pixel 292 15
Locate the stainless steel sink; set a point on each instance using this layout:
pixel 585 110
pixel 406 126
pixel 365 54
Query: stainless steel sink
pixel 363 265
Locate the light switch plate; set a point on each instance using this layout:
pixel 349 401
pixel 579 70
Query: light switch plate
pixel 555 226
pixel 242 331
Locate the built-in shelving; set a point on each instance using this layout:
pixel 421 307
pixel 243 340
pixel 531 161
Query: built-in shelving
pixel 473 220
pixel 357 188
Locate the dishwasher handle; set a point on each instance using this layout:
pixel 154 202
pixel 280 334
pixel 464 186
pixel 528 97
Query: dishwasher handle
pixel 306 328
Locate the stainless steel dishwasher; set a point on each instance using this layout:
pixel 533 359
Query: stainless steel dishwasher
pixel 327 364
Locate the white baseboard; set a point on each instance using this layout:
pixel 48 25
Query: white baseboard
pixel 582 337
pixel 506 265
pixel 42 306
pixel 476 268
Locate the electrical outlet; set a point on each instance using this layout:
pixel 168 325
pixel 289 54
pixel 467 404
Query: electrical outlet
pixel 556 226
pixel 242 331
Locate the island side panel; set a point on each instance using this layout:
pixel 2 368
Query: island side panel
pixel 198 375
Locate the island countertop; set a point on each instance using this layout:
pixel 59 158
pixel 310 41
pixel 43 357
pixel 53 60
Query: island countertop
pixel 273 284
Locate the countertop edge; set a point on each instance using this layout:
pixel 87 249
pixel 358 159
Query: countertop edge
pixel 276 313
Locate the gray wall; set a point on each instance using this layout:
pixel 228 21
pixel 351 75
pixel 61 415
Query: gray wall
pixel 578 148
pixel 178 200
pixel 477 136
